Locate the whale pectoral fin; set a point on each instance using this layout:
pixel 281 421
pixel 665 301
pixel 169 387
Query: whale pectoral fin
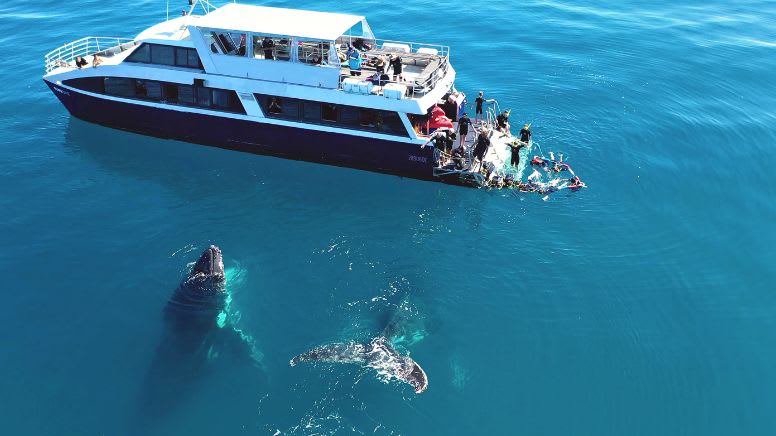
pixel 237 345
pixel 350 352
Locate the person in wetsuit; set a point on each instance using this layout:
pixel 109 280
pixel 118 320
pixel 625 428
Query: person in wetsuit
pixel 502 120
pixel 516 146
pixel 395 62
pixel 463 127
pixel 481 148
pixel 525 134
pixel 268 45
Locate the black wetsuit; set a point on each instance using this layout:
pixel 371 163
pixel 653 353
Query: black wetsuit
pixel 463 126
pixel 502 121
pixel 479 101
pixel 396 64
pixel 481 148
pixel 525 135
pixel 516 153
pixel 268 44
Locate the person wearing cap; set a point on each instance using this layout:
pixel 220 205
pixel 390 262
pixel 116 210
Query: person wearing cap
pixel 525 134
pixel 463 127
pixel 516 146
pixel 502 120
pixel 478 106
pixel 482 145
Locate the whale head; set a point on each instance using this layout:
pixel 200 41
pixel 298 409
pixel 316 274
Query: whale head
pixel 208 272
pixel 210 263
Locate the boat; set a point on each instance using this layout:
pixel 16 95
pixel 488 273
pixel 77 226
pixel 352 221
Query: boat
pixel 297 84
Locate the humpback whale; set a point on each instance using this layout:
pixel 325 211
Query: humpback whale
pixel 195 332
pixel 379 354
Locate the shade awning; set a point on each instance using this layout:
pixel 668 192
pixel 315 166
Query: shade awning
pixel 326 26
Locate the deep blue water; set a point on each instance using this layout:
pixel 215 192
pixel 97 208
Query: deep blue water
pixel 644 305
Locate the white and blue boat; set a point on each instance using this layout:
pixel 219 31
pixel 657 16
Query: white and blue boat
pixel 271 81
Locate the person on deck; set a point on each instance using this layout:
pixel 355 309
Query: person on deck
pixel 463 127
pixel 502 121
pixel 397 67
pixel 481 148
pixel 268 45
pixel 96 61
pixel 478 106
pixel 80 62
pixel 354 61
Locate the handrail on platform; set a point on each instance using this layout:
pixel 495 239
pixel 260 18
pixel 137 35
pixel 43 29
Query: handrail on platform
pixel 67 53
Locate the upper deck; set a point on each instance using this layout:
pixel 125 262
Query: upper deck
pixel 294 47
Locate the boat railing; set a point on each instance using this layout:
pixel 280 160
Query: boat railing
pixel 87 46
pixel 433 58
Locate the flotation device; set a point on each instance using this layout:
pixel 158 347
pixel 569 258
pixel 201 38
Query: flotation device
pixel 439 120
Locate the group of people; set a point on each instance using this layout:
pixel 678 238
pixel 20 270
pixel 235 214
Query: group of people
pixel 80 62
pixel 356 60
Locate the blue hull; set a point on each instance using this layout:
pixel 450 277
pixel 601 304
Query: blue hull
pixel 370 154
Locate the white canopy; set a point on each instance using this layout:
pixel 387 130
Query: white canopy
pixel 325 26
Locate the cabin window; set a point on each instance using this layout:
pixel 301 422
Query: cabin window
pixel 186 94
pixel 329 112
pixel 91 84
pixel 120 86
pixel 313 53
pixel 347 117
pixel 141 54
pixel 312 111
pixel 163 55
pixel 228 43
pixel 173 93
pixel 271 48
pixel 148 90
pixel 203 97
pixel 166 55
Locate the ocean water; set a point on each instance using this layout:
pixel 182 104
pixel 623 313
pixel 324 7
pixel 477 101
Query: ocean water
pixel 644 305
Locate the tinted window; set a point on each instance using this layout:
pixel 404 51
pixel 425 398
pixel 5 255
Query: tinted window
pixel 193 58
pixel 163 54
pixel 221 99
pixel 329 112
pixel 186 94
pixel 203 97
pixel 312 111
pixel 141 54
pixel 92 84
pixel 148 89
pixel 120 86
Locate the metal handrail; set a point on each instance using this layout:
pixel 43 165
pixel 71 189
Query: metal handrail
pixel 67 53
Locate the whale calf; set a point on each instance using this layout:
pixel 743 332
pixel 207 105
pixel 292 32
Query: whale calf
pixel 377 354
pixel 380 353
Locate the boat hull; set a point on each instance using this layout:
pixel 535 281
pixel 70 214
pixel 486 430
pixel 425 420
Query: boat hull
pixel 371 154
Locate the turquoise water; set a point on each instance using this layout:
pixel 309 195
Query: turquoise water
pixel 644 305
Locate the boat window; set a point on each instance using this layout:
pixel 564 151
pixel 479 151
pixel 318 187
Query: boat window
pixel 228 43
pixel 271 48
pixel 314 53
pixel 91 84
pixel 163 54
pixel 329 112
pixel 186 94
pixel 148 90
pixel 348 117
pixel 225 100
pixel 312 111
pixel 141 54
pixel 203 96
pixel 166 55
pixel 120 86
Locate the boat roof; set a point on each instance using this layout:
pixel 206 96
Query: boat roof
pixel 279 21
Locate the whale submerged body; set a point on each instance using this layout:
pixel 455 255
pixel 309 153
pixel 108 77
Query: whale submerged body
pixel 194 334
